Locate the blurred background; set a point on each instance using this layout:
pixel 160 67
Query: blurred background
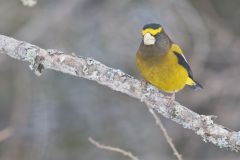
pixel 53 115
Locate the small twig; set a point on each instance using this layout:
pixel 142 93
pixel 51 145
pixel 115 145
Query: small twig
pixel 5 133
pixel 167 137
pixel 114 149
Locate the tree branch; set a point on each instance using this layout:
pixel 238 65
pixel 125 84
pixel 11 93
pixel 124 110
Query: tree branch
pixel 117 80
pixel 113 149
pixel 165 133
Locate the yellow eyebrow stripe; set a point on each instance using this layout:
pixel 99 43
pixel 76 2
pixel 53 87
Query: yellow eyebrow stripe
pixel 151 31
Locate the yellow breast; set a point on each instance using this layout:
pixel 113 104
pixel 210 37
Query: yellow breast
pixel 164 72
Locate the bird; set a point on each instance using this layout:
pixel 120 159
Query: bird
pixel 161 62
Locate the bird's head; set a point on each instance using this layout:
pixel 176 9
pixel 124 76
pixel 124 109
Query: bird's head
pixel 154 39
pixel 150 33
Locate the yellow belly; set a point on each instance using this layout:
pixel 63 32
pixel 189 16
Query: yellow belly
pixel 165 73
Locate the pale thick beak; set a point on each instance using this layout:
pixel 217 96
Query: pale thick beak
pixel 148 39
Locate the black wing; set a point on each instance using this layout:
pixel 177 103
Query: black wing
pixel 182 61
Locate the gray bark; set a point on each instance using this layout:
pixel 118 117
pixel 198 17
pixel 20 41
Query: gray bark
pixel 41 59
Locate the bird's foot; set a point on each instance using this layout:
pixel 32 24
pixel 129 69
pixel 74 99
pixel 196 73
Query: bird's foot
pixel 144 83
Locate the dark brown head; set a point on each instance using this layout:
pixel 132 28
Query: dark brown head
pixel 154 39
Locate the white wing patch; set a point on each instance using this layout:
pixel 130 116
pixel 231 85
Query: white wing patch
pixel 184 58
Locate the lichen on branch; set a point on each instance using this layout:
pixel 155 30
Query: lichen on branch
pixel 88 68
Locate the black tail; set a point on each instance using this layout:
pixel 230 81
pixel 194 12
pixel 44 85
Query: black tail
pixel 197 86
